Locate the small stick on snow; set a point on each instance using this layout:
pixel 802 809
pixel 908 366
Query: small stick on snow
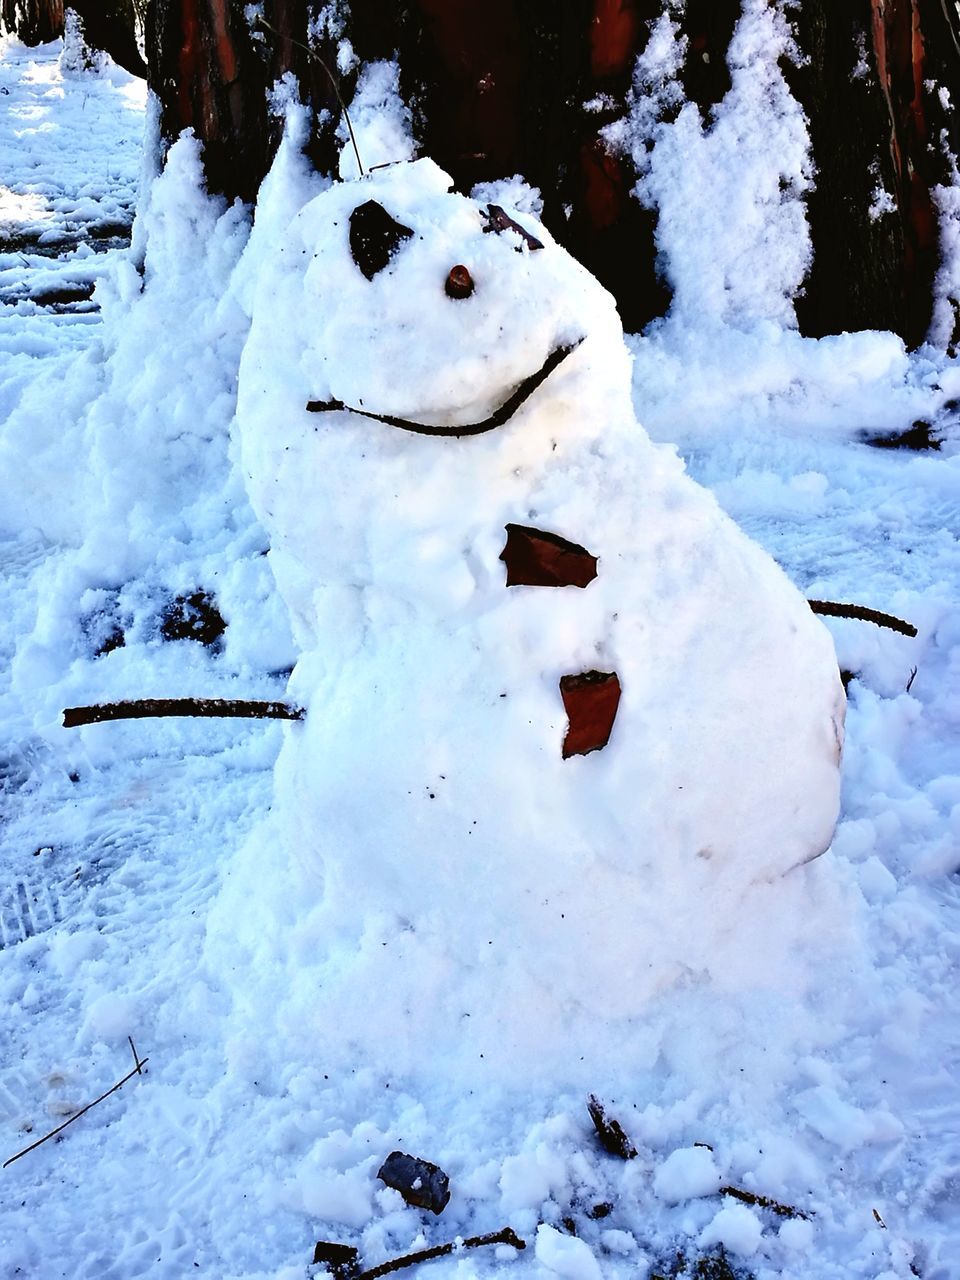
pixel 137 1070
pixel 832 609
pixel 506 1236
pixel 138 1061
pixel 140 708
pixel 260 21
pixel 520 395
pixel 610 1132
pixel 764 1202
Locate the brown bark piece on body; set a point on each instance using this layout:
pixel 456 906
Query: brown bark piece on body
pixel 590 700
pixel 535 558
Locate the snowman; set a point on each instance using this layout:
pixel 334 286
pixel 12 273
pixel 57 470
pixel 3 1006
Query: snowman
pixel 564 720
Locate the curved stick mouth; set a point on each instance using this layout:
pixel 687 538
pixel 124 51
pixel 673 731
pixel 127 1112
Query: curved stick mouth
pixel 498 418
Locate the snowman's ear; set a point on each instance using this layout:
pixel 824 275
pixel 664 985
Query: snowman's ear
pixel 375 237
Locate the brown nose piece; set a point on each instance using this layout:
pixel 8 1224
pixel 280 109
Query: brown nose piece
pixel 459 282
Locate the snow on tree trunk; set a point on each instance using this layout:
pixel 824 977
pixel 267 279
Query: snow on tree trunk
pixel 208 77
pixel 111 26
pixel 876 92
pixel 213 65
pixel 33 21
pixel 508 88
pixel 511 88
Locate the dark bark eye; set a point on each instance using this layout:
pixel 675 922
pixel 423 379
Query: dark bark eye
pixel 459 282
pixel 375 237
pixel 496 219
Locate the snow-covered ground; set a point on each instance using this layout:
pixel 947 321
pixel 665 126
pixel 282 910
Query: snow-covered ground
pixel 139 866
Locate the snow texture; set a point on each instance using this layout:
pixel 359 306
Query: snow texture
pixel 434 729
pixel 566 1256
pixel 380 122
pixel 686 1174
pixel 728 191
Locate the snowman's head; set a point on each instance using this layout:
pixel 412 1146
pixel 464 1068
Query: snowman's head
pixel 423 307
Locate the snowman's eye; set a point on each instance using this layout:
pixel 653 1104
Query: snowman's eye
pixel 498 220
pixel 375 237
pixel 459 282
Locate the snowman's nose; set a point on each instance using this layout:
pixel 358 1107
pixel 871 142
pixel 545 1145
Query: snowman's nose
pixel 459 282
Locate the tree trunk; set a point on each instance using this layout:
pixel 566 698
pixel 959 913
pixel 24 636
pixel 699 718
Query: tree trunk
pixel 876 122
pixel 499 89
pixel 33 21
pixel 212 70
pixel 111 25
pixel 708 26
pixel 518 87
pixel 209 78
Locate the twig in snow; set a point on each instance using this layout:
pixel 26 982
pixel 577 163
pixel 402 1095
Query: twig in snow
pixel 610 1131
pixel 140 708
pixel 137 1070
pixel 334 83
pixel 919 437
pixel 506 1236
pixel 339 1259
pixel 832 609
pixel 498 418
pixel 764 1202
pixel 137 1060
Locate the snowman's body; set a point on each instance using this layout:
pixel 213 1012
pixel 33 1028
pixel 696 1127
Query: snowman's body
pixel 446 848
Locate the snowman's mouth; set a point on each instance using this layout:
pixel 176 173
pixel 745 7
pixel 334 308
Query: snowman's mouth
pixel 518 397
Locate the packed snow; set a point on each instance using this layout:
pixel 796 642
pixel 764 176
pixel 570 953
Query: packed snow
pixel 429 817
pixel 156 874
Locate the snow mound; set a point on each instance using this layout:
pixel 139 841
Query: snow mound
pixel 460 865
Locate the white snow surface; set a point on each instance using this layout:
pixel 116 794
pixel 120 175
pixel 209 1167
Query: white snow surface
pixel 728 191
pixel 430 820
pixel 143 871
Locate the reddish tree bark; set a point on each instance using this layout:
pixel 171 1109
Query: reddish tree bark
pixel 876 122
pixel 209 78
pixel 899 48
pixel 516 86
pixel 212 72
pixel 472 63
pixel 608 228
pixel 502 88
